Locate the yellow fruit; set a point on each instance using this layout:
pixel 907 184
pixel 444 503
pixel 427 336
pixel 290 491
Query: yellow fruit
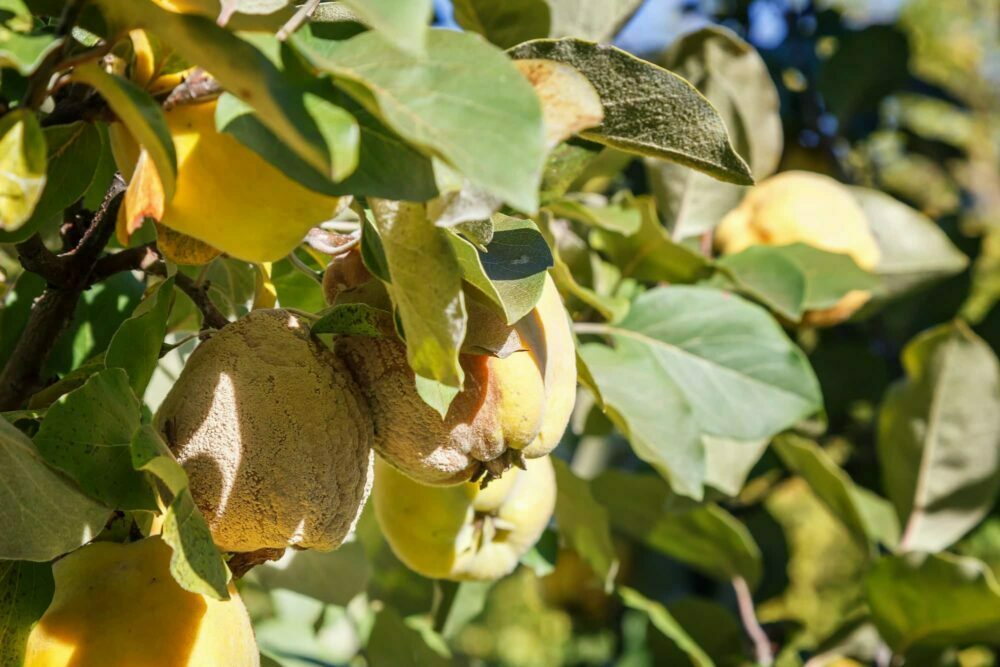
pixel 546 332
pixel 274 435
pixel 464 532
pixel 509 407
pixel 227 195
pixel 116 605
pixel 209 8
pixel 802 207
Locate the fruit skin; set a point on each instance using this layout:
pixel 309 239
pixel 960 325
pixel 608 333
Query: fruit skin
pixel 228 196
pixel 116 605
pixel 519 404
pixel 274 435
pixel 803 207
pixel 464 532
pixel 413 437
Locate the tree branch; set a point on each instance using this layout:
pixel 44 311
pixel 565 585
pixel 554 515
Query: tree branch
pixel 211 316
pixel 67 275
pixel 761 642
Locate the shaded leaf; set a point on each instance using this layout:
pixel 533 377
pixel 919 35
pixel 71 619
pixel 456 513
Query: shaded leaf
pixel 597 20
pixel 402 22
pixel 511 273
pixel 583 524
pixel 796 278
pixel 623 218
pixel 647 110
pixel 704 537
pixel 650 254
pixel 933 600
pixel 693 361
pixel 355 319
pixel 393 643
pixel 463 100
pixel 137 343
pixel 195 563
pixel 504 23
pixel 87 434
pixel 939 437
pixel 22 167
pixel 44 514
pixel 26 589
pixel 332 578
pixel 667 624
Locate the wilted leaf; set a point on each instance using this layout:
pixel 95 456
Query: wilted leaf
pixel 933 600
pixel 939 437
pixel 26 590
pixel 136 345
pixel 87 434
pixel 426 289
pixel 794 279
pixel 22 167
pixel 569 103
pixel 504 23
pixel 44 513
pixel 914 250
pixel 196 563
pixel 142 117
pixel 463 100
pixel 692 361
pixel 511 272
pixel 647 110
pixel 583 524
pixel 704 537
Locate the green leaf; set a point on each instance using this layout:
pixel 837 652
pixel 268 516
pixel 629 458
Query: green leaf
pixel 87 434
pixel 598 20
pixel 504 23
pixel 44 514
pixel 355 319
pixel 141 115
pixel 511 273
pixel 467 602
pixel 238 66
pixel 914 250
pixel 339 128
pixel 621 218
pixel 74 151
pixel 665 623
pixel 463 101
pixel 426 289
pixel 705 537
pixel 137 343
pixel 934 601
pixel 796 278
pixel 868 518
pixel 583 524
pixel 393 643
pixel 937 437
pixel 692 361
pixel 25 52
pixel 196 563
pixel 649 254
pixel 26 589
pixel 648 110
pixel 711 626
pixel 403 23
pixel 728 462
pixel 22 167
pixel 332 578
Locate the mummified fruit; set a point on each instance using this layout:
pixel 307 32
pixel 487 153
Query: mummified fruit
pixel 465 531
pixel 274 435
pixel 116 605
pixel 226 195
pixel 509 407
pixel 803 207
